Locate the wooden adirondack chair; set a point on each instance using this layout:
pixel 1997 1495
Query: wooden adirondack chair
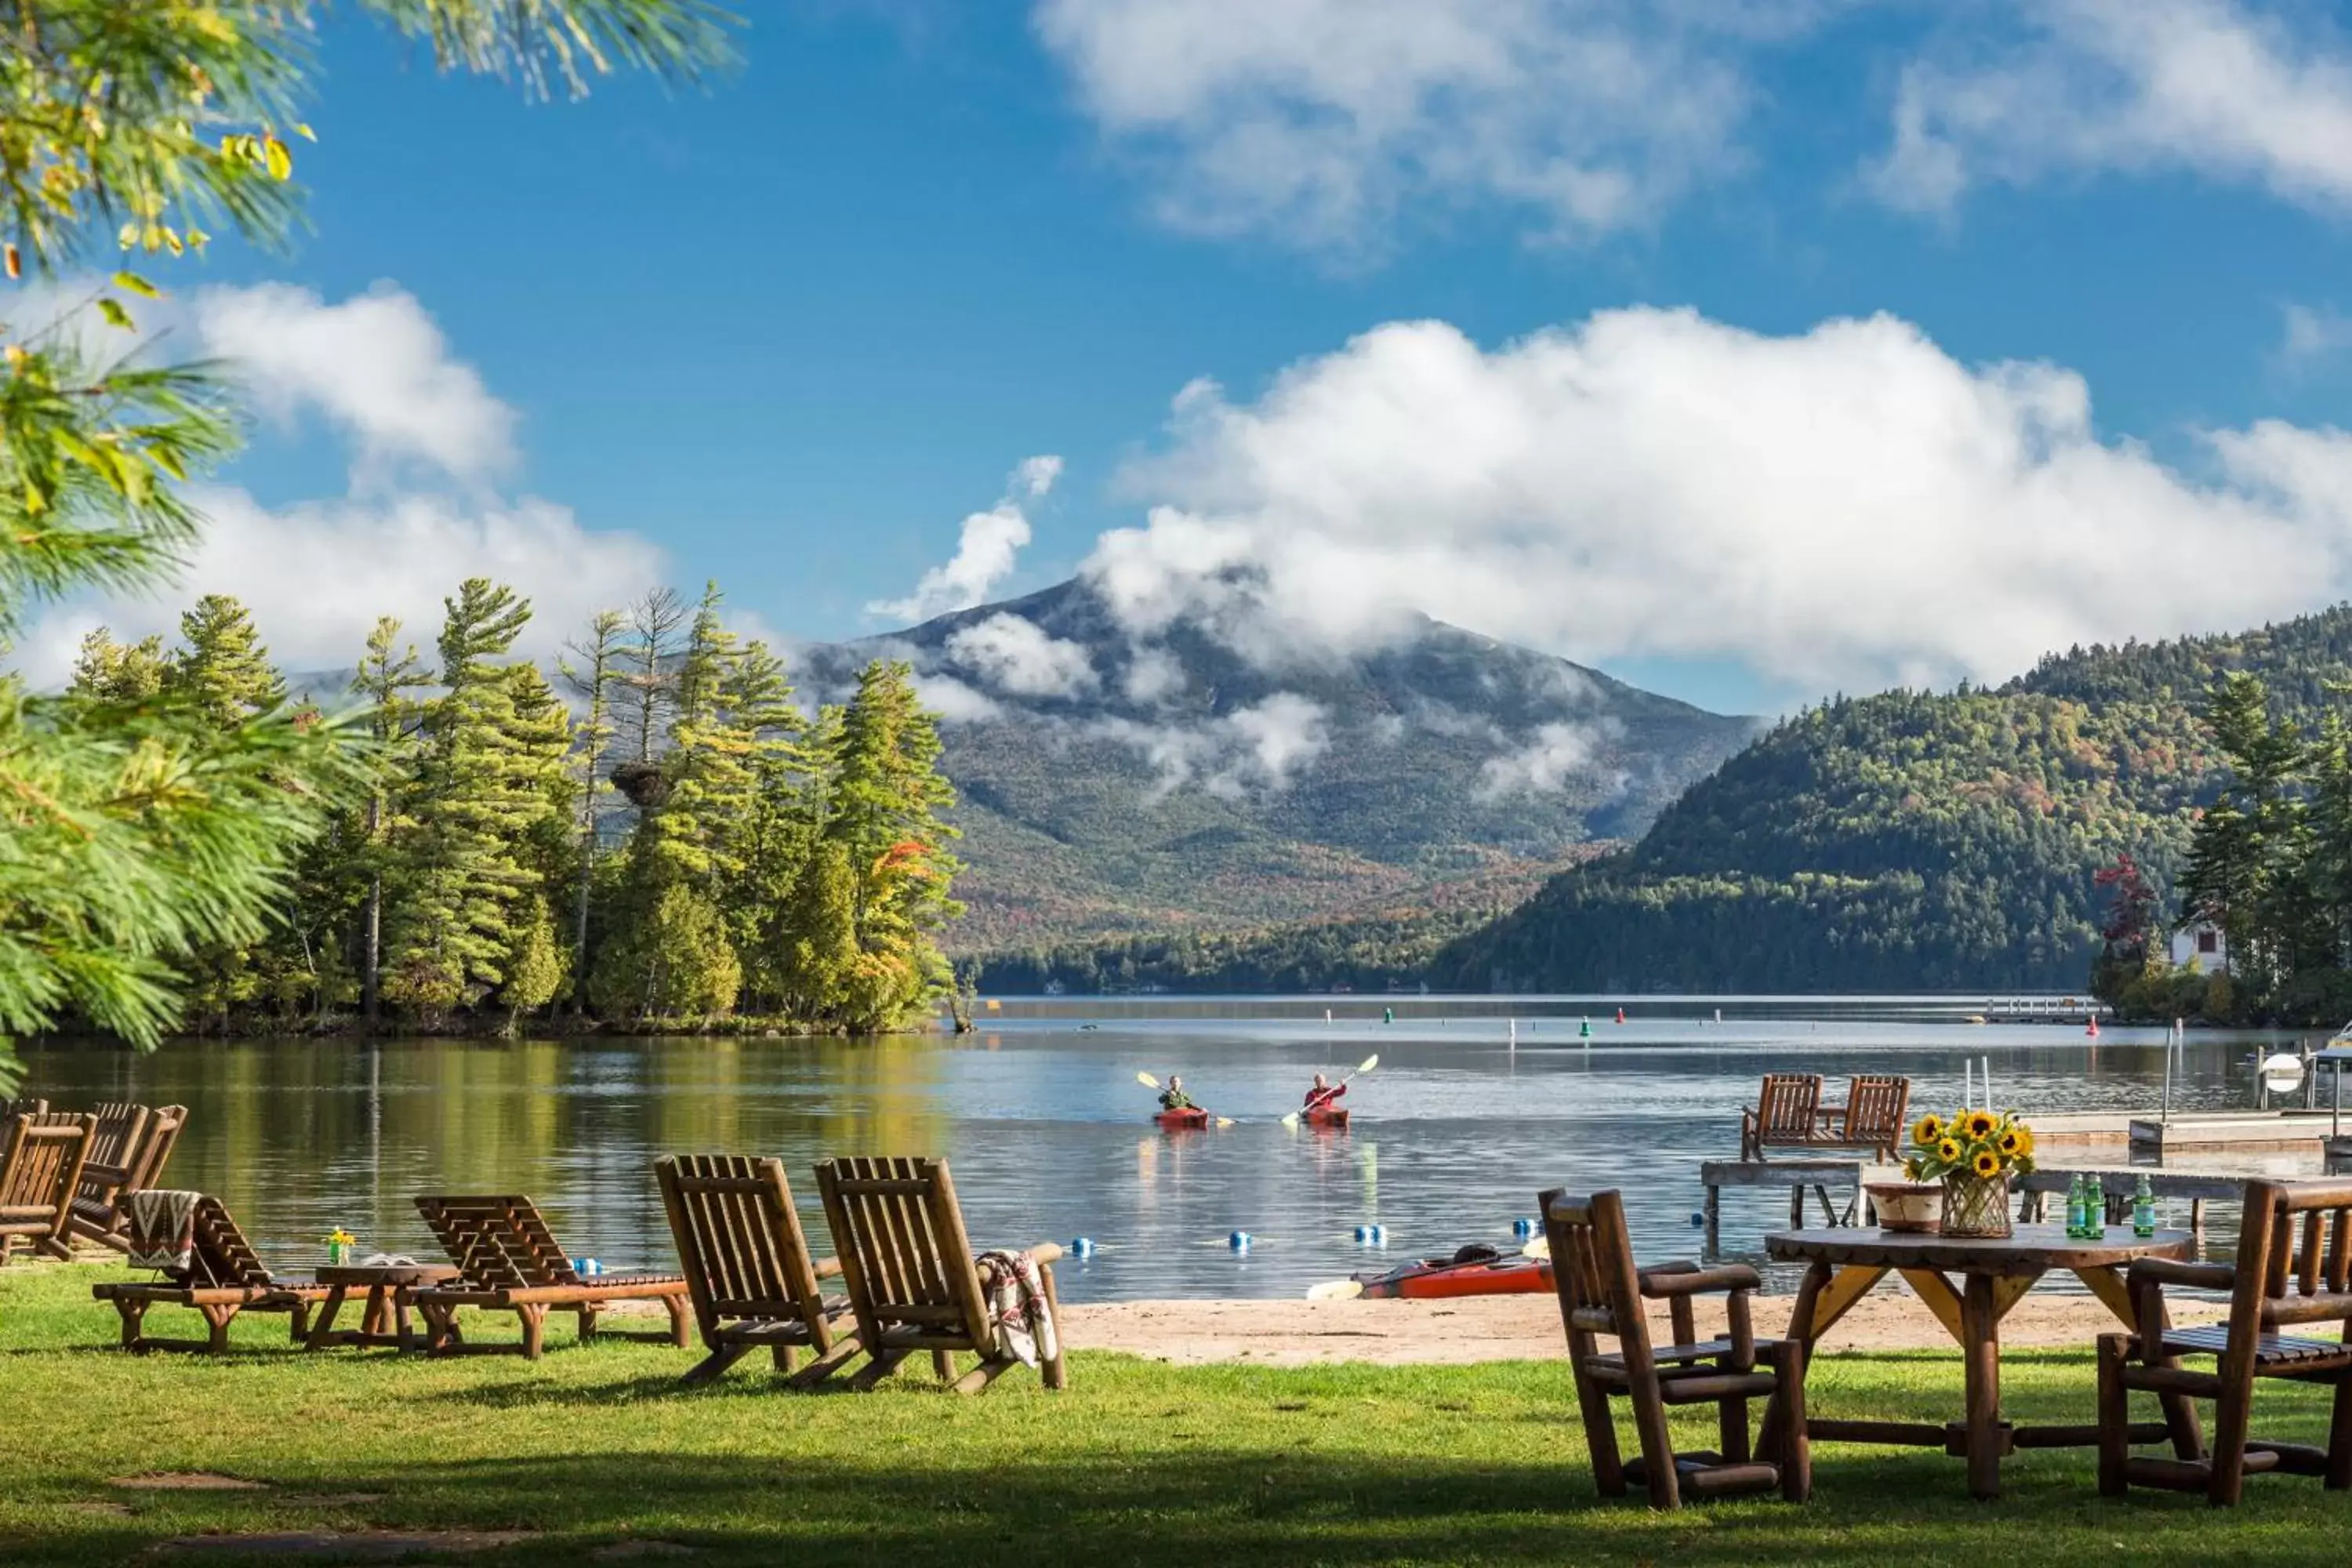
pixel 111 1177
pixel 2279 1280
pixel 748 1268
pixel 224 1278
pixel 511 1262
pixel 11 1109
pixel 1603 1294
pixel 1871 1118
pixel 1786 1110
pixel 912 1280
pixel 39 1171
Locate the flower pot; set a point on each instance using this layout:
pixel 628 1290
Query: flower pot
pixel 1906 1205
pixel 1976 1205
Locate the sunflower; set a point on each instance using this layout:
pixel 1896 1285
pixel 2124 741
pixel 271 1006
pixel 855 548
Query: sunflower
pixel 2024 1136
pixel 1987 1164
pixel 1980 1123
pixel 1929 1131
pixel 1948 1152
pixel 2010 1144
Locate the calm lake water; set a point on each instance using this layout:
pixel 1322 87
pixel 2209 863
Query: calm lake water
pixel 1045 1124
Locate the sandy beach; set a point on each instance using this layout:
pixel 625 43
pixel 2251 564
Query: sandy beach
pixel 1520 1328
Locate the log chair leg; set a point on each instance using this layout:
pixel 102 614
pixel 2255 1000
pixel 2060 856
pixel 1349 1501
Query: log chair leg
pixel 2339 1439
pixel 2115 1418
pixel 786 1357
pixel 1657 1443
pixel 717 1362
pixel 679 1329
pixel 827 1363
pixel 299 1328
pixel 372 1315
pixel 131 1311
pixel 216 1319
pixel 534 1328
pixel 328 1310
pixel 876 1370
pixel 943 1365
pixel 1731 1429
pixel 1795 1455
pixel 587 1316
pixel 1056 1372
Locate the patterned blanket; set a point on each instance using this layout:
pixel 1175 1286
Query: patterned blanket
pixel 1016 1302
pixel 161 1227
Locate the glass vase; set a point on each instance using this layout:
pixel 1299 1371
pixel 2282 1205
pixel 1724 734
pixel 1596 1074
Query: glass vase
pixel 1976 1205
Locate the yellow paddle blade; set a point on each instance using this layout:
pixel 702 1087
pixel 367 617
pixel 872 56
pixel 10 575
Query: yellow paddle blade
pixel 1336 1290
pixel 1369 1062
pixel 1224 1121
pixel 1539 1247
pixel 1146 1080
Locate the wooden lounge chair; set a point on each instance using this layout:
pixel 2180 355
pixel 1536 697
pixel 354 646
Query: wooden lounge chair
pixel 112 1174
pixel 2280 1281
pixel 748 1268
pixel 1787 1110
pixel 39 1169
pixel 1602 1293
pixel 912 1280
pixel 1871 1118
pixel 512 1263
pixel 224 1278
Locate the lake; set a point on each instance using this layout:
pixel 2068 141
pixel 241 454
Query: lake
pixel 1040 1113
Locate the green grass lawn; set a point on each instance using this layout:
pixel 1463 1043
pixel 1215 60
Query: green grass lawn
pixel 596 1454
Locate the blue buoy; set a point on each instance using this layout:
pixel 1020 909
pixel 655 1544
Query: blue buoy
pixel 1698 1220
pixel 1363 1234
pixel 1380 1236
pixel 1239 1241
pixel 1523 1226
pixel 1083 1247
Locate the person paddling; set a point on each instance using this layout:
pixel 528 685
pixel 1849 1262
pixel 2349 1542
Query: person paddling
pixel 1173 1097
pixel 1324 1095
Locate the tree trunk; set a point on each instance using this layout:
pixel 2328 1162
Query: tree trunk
pixel 371 1004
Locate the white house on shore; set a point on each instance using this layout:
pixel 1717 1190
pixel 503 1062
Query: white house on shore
pixel 2200 948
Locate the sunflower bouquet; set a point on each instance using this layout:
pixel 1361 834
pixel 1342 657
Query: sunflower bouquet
pixel 1973 1153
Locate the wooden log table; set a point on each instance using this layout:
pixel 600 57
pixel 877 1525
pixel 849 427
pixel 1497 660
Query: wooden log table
pixel 1969 1286
pixel 384 1319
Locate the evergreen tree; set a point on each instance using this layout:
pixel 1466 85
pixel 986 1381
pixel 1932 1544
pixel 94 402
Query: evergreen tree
pixel 388 672
pixel 221 669
pixel 109 672
pixel 535 968
pixel 2244 870
pixel 591 681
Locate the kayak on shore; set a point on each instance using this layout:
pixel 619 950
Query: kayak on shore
pixel 1472 1271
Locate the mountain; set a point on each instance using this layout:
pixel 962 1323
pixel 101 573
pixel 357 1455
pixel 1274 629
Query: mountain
pixel 1115 783
pixel 1910 840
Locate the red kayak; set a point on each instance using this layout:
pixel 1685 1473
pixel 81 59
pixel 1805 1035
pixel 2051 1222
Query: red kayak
pixel 1326 1117
pixel 1472 1271
pixel 1181 1121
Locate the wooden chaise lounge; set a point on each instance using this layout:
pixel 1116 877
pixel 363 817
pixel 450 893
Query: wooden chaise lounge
pixel 511 1262
pixel 40 1165
pixel 913 1282
pixel 224 1278
pixel 748 1268
pixel 114 1172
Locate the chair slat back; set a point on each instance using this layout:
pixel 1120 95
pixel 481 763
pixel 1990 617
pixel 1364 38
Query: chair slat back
pixel 155 1151
pixel 222 1256
pixel 120 1127
pixel 1874 1107
pixel 42 1167
pixel 739 1239
pixel 904 1257
pixel 2320 1256
pixel 1593 1271
pixel 500 1241
pixel 1785 1107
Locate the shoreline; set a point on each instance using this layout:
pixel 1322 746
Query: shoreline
pixel 1470 1330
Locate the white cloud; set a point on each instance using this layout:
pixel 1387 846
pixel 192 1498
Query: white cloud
pixel 1544 763
pixel 1317 122
pixel 1849 506
pixel 2233 91
pixel 1019 657
pixel 1153 675
pixel 2311 333
pixel 953 701
pixel 1283 734
pixel 1262 747
pixel 316 575
pixel 985 550
pixel 375 364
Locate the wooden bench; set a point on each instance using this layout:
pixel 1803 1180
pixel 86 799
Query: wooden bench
pixel 2281 1282
pixel 1603 1295
pixel 509 1261
pixel 913 1283
pixel 748 1268
pixel 224 1278
pixel 39 1169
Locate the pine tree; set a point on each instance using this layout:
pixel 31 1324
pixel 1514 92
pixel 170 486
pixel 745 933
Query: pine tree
pixel 535 968
pixel 388 672
pixel 221 668
pixel 109 672
pixel 591 681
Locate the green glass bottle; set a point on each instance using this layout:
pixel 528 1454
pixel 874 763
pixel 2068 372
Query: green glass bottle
pixel 2074 1205
pixel 2143 1209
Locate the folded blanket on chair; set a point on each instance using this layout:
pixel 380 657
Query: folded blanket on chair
pixel 1016 1300
pixel 160 1227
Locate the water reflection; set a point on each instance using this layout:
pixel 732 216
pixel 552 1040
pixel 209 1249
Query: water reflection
pixel 1454 1132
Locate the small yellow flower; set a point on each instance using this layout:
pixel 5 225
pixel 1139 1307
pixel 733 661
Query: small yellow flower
pixel 1929 1132
pixel 2024 1136
pixel 1980 1123
pixel 1987 1164
pixel 2010 1144
pixel 1948 1152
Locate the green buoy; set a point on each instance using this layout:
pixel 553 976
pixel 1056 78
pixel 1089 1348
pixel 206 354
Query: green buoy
pixel 1388 1014
pixel 1584 1030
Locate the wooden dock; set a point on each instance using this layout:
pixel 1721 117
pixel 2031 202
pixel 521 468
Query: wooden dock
pixel 1797 1175
pixel 2291 1131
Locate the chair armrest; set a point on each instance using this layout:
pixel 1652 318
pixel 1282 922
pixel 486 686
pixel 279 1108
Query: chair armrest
pixel 828 1268
pixel 2164 1271
pixel 1046 1252
pixel 1829 1116
pixel 1658 1285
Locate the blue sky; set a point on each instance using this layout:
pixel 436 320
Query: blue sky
pixel 790 330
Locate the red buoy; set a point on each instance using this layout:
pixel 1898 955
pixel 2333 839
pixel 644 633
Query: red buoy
pixel 1621 1014
pixel 2092 1026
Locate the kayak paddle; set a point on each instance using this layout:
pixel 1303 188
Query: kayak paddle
pixel 1368 1064
pixel 1147 1081
pixel 1336 1290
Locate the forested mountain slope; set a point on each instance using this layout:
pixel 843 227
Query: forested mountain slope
pixel 1910 840
pixel 1111 785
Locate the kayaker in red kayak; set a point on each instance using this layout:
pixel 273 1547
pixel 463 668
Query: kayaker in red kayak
pixel 1324 1096
pixel 1173 1097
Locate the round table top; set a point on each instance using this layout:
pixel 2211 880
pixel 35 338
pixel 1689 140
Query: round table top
pixel 2028 1250
pixel 372 1274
